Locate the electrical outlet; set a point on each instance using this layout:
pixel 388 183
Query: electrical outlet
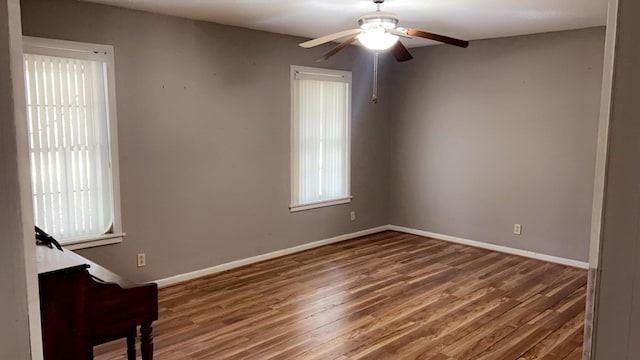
pixel 353 216
pixel 517 229
pixel 142 260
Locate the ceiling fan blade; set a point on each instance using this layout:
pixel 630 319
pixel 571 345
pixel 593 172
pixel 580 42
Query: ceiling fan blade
pixel 436 37
pixel 400 52
pixel 327 38
pixel 398 32
pixel 337 48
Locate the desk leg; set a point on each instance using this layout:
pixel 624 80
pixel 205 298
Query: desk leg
pixel 131 344
pixel 146 341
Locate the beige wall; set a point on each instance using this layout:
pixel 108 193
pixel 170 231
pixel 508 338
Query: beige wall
pixel 617 327
pixel 500 133
pixel 203 113
pixel 17 250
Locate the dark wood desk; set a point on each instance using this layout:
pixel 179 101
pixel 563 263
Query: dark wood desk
pixel 82 304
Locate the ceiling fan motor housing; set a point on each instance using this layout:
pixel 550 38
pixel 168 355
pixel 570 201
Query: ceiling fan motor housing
pixel 378 19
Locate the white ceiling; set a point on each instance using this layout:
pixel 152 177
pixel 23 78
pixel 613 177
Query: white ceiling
pixel 464 19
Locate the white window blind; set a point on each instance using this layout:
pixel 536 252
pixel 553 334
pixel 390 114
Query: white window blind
pixel 321 108
pixel 71 175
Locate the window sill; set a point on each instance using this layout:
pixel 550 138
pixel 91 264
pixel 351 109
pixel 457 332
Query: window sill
pixel 106 239
pixel 319 204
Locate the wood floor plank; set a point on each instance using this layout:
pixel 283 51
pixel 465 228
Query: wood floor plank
pixel 552 345
pixel 388 295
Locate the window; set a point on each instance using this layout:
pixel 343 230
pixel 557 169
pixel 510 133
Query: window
pixel 320 137
pixel 73 149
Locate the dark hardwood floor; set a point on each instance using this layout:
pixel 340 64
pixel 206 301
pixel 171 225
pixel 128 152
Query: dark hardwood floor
pixel 385 296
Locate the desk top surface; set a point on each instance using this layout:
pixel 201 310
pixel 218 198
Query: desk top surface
pixel 53 260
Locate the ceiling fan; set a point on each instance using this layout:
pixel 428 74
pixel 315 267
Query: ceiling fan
pixel 379 31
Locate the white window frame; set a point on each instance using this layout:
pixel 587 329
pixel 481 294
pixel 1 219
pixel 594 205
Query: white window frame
pixel 321 73
pixel 103 53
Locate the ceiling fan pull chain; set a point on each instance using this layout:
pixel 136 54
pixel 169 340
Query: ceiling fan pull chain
pixel 374 98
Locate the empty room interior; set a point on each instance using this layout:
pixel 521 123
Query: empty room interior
pixel 227 180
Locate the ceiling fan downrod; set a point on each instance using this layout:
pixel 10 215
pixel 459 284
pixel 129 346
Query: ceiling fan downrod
pixel 378 3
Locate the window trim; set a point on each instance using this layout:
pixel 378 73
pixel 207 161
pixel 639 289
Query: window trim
pixel 96 52
pixel 319 204
pixel 312 72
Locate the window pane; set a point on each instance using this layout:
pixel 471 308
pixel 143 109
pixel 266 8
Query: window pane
pixel 320 139
pixel 69 145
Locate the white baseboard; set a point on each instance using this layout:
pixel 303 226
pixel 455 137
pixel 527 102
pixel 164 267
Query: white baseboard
pixel 500 248
pixel 242 262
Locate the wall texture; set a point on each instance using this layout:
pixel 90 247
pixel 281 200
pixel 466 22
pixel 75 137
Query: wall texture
pixel 617 326
pixel 500 133
pixel 203 117
pixel 17 270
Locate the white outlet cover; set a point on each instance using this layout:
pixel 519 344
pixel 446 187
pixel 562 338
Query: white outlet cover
pixel 517 229
pixel 142 260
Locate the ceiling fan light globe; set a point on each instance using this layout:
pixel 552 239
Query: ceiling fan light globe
pixel 377 40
